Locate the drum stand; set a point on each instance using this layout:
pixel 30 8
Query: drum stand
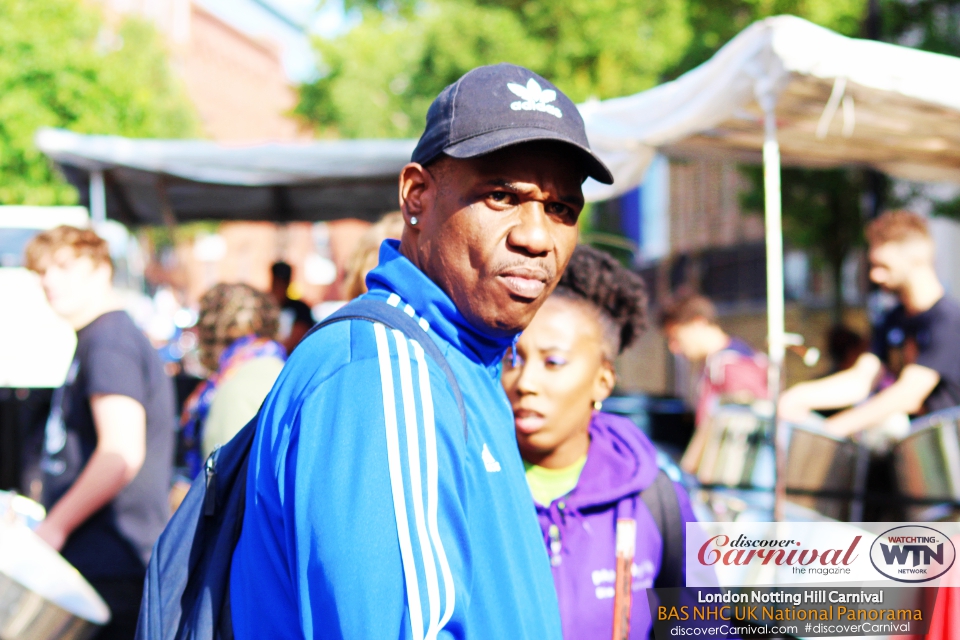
pixel 780 436
pixel 860 486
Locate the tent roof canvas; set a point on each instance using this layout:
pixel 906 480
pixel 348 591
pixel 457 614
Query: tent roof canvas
pixel 161 181
pixel 839 101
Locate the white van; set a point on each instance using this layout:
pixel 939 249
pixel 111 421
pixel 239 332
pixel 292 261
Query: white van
pixel 36 345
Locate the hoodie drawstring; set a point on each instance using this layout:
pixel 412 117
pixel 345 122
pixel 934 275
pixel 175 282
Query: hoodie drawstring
pixel 557 512
pixel 555 545
pixel 626 548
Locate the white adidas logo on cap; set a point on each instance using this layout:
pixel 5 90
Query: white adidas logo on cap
pixel 534 98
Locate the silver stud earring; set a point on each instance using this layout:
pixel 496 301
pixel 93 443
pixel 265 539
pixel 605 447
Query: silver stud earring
pixel 597 405
pixel 413 220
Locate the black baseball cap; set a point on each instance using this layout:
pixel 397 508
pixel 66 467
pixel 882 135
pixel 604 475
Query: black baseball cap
pixel 498 106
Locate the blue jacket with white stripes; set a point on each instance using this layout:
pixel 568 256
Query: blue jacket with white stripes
pixel 369 515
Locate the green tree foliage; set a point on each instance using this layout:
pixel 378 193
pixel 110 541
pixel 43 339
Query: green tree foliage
pixel 60 66
pixel 379 78
pixel 931 25
pixel 716 22
pixel 604 48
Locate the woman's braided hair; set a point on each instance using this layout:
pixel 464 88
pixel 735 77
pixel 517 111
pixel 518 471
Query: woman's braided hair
pixel 616 294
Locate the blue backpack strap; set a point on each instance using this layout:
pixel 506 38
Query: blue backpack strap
pixel 392 317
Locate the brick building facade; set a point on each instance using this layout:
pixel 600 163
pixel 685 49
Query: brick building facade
pixel 238 86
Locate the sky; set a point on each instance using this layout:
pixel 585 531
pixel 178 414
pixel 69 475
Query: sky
pixel 298 61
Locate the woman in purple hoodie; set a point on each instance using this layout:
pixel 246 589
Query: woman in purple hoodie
pixel 588 470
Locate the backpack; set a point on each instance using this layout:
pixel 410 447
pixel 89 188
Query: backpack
pixel 661 498
pixel 186 590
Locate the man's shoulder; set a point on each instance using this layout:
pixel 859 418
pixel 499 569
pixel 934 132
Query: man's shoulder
pixel 948 308
pixel 111 323
pixel 350 354
pixel 329 349
pixel 343 349
pixel 113 331
pixel 739 347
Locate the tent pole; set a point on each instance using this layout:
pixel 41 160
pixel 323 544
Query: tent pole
pixel 98 198
pixel 775 303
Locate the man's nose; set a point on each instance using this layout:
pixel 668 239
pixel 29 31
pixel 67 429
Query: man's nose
pixel 531 234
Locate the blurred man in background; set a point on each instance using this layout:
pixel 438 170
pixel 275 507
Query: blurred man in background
pixel 106 497
pixel 732 370
pixel 295 316
pixel 914 358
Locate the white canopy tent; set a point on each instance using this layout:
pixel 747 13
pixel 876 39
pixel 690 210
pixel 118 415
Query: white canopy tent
pixel 838 101
pixel 167 181
pixel 790 90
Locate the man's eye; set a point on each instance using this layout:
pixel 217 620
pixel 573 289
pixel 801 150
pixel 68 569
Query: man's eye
pixel 558 209
pixel 502 197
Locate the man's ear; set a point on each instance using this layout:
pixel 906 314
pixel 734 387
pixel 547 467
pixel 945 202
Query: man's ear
pixel 417 190
pixel 104 272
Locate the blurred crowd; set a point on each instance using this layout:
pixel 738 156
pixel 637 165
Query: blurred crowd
pixel 128 434
pixel 135 420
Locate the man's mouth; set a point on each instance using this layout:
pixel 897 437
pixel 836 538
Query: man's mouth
pixel 528 421
pixel 525 283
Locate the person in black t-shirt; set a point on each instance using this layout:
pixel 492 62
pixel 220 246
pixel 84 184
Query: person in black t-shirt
pixel 914 362
pixel 930 339
pixel 295 316
pixel 107 455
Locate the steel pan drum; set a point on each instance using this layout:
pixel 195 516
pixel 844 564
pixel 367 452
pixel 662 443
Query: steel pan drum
pixel 42 597
pixel 737 453
pixel 928 460
pixel 820 462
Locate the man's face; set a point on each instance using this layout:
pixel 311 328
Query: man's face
pixel 495 232
pixel 891 264
pixel 71 282
pixel 688 339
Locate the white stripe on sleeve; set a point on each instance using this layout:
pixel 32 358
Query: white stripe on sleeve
pixel 396 481
pixel 430 444
pixel 416 482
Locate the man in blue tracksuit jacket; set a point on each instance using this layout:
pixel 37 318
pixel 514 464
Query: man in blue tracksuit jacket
pixel 369 513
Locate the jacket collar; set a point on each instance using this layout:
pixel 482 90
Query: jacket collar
pixel 397 275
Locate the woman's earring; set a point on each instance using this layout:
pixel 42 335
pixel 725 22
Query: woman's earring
pixel 413 220
pixel 597 405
